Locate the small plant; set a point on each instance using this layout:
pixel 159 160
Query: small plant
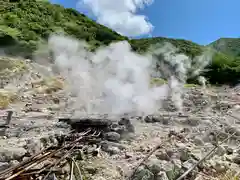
pixel 49 85
pixel 157 82
pixel 6 97
pixel 229 175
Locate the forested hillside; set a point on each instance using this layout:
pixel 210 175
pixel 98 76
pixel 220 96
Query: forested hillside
pixel 230 46
pixel 26 24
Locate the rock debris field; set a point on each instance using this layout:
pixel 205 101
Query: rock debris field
pixel 201 143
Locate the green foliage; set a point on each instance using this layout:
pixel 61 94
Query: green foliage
pixel 230 46
pixel 223 69
pixel 24 25
pixel 187 47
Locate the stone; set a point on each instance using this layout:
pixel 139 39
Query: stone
pixel 198 141
pixel 32 147
pixel 184 155
pixel 157 119
pixel 11 153
pixel 143 174
pixel 3 166
pixel 51 176
pixel 118 128
pixel 192 121
pixel 53 141
pixel 14 163
pixel 189 163
pixel 162 155
pixel 196 153
pixel 128 125
pixel 154 165
pixel 100 178
pixel 219 165
pixel 91 169
pixel 148 119
pixel 220 151
pixel 229 150
pixel 128 155
pixel 220 168
pixel 113 136
pixel 112 150
pixel 172 171
pixel 236 159
pixel 105 144
pixel 161 176
pixel 177 163
pixel 44 142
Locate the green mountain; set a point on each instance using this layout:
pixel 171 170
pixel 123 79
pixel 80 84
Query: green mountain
pixel 230 46
pixel 24 25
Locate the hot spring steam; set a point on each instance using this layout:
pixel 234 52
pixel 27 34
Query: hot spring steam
pixel 115 80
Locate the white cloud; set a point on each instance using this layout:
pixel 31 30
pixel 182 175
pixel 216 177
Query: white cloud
pixel 120 15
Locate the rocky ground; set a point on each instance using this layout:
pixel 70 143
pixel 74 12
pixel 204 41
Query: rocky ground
pixel 211 120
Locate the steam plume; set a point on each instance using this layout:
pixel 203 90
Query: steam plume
pixel 115 80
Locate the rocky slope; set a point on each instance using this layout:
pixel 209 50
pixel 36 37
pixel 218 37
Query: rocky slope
pixel 211 120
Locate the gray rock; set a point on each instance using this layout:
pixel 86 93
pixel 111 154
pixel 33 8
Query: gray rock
pixel 236 159
pixel 53 141
pixel 4 165
pixel 113 150
pixel 127 123
pixel 232 130
pixel 91 169
pixel 32 147
pixel 12 154
pixel 198 141
pixel 161 176
pixel 191 121
pixel 128 155
pixel 172 171
pixel 118 128
pixel 229 150
pixel 112 136
pixel 157 119
pixel 162 155
pixel 184 154
pixel 143 174
pixel 177 163
pixel 220 168
pixel 148 119
pixel 196 153
pixel 13 163
pixel 45 142
pixel 221 151
pixel 51 176
pixel 219 165
pixel 189 163
pixel 105 144
pixel 154 165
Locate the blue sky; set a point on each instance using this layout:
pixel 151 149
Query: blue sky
pixel 201 21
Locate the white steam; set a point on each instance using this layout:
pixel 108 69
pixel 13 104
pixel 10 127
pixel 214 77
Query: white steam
pixel 177 68
pixel 120 15
pixel 115 80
